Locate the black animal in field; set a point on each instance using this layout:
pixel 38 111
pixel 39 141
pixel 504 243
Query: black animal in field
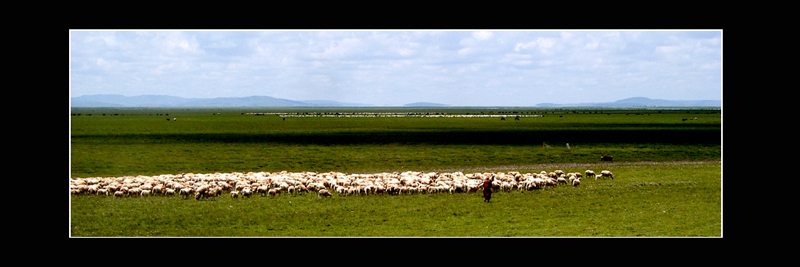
pixel 606 158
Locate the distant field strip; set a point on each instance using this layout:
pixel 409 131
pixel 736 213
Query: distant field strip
pixel 547 166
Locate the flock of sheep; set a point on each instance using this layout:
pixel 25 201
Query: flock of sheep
pixel 245 185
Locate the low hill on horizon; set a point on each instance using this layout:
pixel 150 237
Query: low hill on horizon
pixel 172 101
pixel 113 100
pixel 642 102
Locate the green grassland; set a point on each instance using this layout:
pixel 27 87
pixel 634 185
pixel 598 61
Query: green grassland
pixel 138 143
pixel 659 199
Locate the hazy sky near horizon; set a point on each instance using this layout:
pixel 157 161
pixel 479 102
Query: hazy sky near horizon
pixel 397 67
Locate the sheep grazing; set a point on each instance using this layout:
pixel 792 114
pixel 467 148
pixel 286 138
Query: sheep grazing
pixel 273 192
pixel 572 178
pixel 561 180
pixel 323 193
pixel 551 182
pixel 590 174
pixel 102 191
pixel 272 184
pixel 341 190
pixel 301 189
pixel 135 191
pixel 185 192
pixel 246 192
pixel 262 190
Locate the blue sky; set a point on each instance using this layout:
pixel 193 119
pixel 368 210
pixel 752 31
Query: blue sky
pixel 396 67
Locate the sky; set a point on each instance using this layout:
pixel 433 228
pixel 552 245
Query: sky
pixel 397 67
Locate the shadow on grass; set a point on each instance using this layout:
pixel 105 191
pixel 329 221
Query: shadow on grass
pixel 502 137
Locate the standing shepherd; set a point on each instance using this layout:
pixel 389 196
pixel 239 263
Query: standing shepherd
pixel 487 187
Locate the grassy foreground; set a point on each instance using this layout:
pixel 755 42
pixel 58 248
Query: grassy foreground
pixel 645 200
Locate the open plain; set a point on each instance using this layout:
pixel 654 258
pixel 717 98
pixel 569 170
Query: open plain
pixel 666 164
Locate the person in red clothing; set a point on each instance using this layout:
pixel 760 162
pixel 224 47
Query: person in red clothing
pixel 487 187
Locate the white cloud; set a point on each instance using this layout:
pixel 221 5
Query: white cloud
pixel 466 51
pixel 592 45
pixel 517 59
pixel 176 43
pixel 342 49
pixel 545 43
pixel 482 35
pixel 667 49
pixel 524 46
pixel 103 64
pixel 405 52
pixel 222 44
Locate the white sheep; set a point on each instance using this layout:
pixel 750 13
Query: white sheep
pixel 323 192
pixel 532 184
pixel 102 191
pixel 246 192
pixel 158 189
pixel 300 189
pixel 572 177
pixel 341 190
pixel 607 173
pixel 262 190
pixel 185 192
pixel 274 192
pixel 550 182
pixel 246 184
pixel 433 189
pixel 506 186
pixel 135 191
pixel 590 174
pixel 379 190
pixel 561 180
pixel 576 182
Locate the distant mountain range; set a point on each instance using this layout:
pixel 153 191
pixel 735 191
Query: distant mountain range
pixel 642 102
pixel 266 101
pixel 425 104
pixel 172 101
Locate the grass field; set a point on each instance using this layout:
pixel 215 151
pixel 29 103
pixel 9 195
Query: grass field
pixel 663 198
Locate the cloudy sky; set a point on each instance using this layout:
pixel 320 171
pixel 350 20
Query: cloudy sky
pixel 395 67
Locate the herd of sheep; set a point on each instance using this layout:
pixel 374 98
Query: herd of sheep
pixel 245 185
